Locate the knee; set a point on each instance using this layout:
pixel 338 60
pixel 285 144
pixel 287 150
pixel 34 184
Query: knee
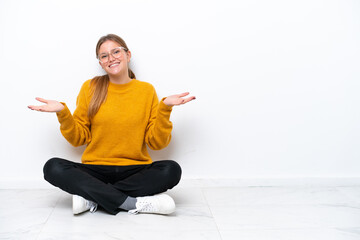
pixel 173 172
pixel 52 169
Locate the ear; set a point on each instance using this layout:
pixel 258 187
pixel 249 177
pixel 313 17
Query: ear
pixel 128 55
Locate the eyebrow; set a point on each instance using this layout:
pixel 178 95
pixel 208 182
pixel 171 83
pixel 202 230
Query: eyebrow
pixel 109 51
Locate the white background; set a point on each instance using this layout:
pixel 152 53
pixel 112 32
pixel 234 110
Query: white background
pixel 277 82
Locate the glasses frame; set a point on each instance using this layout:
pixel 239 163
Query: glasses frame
pixel 110 52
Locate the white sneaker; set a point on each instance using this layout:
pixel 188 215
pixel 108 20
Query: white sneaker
pixel 158 204
pixel 80 205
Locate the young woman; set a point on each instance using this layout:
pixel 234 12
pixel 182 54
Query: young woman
pixel 116 117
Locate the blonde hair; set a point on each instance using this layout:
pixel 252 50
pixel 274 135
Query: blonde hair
pixel 99 84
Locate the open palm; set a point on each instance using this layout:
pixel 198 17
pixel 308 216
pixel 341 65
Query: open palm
pixel 178 99
pixel 50 106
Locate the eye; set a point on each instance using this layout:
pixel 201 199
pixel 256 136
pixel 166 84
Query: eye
pixel 103 56
pixel 117 51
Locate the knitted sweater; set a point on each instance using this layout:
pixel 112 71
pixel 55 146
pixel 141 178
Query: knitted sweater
pixel 129 119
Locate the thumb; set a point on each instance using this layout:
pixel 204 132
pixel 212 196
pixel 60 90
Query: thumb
pixel 183 94
pixel 41 100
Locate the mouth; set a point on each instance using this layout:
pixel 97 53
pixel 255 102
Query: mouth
pixel 114 64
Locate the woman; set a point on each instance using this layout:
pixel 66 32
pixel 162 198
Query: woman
pixel 116 117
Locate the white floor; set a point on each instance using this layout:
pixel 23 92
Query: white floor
pixel 303 213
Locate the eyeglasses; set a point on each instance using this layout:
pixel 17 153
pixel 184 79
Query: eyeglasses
pixel 116 53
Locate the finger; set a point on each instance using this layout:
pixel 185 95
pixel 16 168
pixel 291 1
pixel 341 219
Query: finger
pixel 42 108
pixel 36 108
pixel 42 100
pixel 188 99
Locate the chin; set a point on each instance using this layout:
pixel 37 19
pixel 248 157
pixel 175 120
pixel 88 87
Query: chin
pixel 114 71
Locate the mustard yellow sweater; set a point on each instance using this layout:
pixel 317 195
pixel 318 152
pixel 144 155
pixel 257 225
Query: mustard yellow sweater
pixel 129 119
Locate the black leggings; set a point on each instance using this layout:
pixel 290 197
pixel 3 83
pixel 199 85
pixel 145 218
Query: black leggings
pixel 109 186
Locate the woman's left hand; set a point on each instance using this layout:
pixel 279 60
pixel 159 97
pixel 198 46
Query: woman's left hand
pixel 178 99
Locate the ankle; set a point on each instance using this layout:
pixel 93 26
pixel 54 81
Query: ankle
pixel 129 203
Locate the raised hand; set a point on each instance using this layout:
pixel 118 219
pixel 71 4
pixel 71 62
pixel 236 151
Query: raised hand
pixel 50 106
pixel 178 99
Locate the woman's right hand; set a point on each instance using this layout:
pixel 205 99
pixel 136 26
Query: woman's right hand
pixel 50 106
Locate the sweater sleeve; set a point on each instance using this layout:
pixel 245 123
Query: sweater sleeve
pixel 158 131
pixel 76 128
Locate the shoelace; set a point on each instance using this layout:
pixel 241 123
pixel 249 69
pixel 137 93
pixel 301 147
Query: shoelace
pixel 93 206
pixel 134 211
pixel 146 207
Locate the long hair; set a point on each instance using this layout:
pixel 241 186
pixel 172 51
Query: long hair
pixel 99 84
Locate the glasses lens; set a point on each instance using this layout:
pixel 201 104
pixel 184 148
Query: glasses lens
pixel 104 58
pixel 116 53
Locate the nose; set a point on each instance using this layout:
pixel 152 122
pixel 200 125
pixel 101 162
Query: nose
pixel 111 58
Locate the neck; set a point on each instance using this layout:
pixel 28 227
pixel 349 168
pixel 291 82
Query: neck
pixel 120 79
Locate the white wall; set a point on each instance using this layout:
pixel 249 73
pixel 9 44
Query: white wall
pixel 277 82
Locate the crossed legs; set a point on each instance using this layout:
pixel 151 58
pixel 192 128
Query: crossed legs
pixel 109 186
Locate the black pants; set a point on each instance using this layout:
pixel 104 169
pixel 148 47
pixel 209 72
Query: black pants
pixel 109 186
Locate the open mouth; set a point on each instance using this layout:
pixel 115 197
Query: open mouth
pixel 114 64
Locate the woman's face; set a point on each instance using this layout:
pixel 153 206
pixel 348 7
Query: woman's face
pixel 112 65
